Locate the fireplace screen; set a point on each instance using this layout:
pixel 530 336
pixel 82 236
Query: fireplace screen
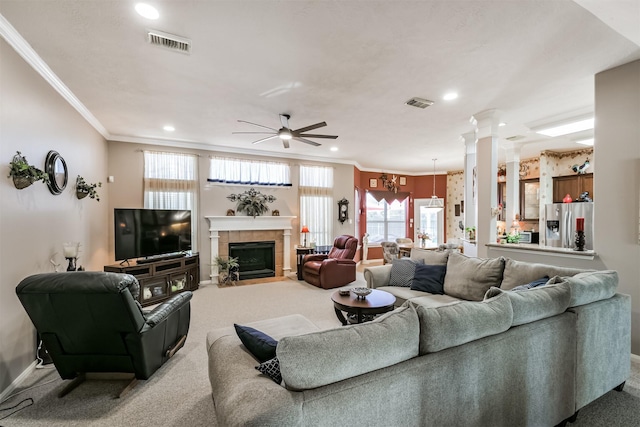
pixel 256 259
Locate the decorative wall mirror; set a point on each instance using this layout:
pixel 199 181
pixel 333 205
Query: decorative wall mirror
pixel 56 168
pixel 343 210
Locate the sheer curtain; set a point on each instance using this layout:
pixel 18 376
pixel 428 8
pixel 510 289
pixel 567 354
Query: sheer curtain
pixel 171 182
pixel 316 202
pixel 250 172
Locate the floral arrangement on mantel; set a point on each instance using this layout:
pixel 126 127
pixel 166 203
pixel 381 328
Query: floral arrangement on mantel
pixel 252 202
pixel 84 189
pixel 23 173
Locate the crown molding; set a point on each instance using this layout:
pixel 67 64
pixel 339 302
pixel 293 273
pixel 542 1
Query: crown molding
pixel 24 49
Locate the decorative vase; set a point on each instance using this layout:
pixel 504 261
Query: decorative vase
pixel 81 194
pixel 21 182
pixel 580 241
pixel 424 242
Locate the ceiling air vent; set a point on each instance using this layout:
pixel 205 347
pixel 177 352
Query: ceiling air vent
pixel 169 41
pixel 515 137
pixel 419 102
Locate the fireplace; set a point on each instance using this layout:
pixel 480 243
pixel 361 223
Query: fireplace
pixel 256 259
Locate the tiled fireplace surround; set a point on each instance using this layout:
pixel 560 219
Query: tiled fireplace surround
pixel 226 229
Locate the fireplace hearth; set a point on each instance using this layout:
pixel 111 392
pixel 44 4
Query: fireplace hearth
pixel 256 259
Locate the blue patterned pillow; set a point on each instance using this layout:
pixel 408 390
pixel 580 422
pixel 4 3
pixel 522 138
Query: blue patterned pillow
pixel 261 345
pixel 271 368
pixel 429 278
pixel 402 271
pixel 540 282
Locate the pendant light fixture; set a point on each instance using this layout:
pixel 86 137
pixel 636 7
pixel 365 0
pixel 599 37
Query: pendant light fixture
pixel 434 202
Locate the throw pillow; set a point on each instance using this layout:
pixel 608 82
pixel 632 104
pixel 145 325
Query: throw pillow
pixel 261 345
pixel 540 282
pixel 429 278
pixel 430 257
pixel 470 278
pixel 402 271
pixel 271 368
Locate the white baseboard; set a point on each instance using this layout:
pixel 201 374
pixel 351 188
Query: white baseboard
pixel 635 358
pixel 12 387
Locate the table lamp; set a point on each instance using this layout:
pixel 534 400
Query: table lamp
pixel 304 231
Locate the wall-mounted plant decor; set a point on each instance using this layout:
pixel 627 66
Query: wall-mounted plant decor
pixel 23 173
pixel 252 203
pixel 84 189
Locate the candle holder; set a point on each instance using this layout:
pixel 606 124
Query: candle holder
pixel 71 250
pixel 72 264
pixel 579 240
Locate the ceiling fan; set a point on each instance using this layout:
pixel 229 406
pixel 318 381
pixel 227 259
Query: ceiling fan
pixel 285 133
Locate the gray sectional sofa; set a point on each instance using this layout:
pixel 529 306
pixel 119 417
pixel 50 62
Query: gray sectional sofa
pixel 526 358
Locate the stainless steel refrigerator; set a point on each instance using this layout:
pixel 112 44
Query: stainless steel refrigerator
pixel 560 221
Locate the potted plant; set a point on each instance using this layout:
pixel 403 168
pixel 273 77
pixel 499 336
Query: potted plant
pixel 471 232
pixel 23 173
pixel 228 270
pixel 84 189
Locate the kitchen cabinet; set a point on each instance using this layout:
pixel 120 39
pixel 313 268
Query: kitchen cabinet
pixel 530 199
pixel 574 185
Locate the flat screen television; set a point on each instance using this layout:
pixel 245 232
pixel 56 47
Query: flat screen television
pixel 141 233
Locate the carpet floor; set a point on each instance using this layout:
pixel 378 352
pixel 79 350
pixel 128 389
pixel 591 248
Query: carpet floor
pixel 179 394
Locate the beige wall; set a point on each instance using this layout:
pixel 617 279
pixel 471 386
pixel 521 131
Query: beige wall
pixel 33 222
pixel 126 166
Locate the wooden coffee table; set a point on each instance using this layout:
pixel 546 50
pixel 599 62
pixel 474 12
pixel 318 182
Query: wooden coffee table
pixel 375 303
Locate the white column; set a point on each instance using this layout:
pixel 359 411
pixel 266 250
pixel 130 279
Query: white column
pixel 513 181
pixel 213 238
pixel 469 165
pixel 286 267
pixel 487 177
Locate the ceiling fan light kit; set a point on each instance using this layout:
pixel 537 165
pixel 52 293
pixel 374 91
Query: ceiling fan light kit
pixel 285 133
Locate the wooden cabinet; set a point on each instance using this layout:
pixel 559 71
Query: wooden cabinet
pixel 574 185
pixel 529 199
pixel 159 280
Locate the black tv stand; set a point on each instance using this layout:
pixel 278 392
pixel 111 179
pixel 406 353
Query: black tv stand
pixel 163 257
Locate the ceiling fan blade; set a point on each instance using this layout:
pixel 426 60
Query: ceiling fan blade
pixel 284 119
pixel 310 127
pixel 309 135
pixel 285 142
pixel 255 124
pixel 264 133
pixel 306 141
pixel 264 139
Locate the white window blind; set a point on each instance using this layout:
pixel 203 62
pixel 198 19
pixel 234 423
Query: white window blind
pixel 171 182
pixel 316 202
pixel 249 172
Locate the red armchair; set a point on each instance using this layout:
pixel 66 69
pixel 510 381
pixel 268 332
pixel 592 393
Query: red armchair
pixel 335 269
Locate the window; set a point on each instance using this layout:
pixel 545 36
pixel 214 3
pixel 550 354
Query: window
pixel 171 182
pixel 249 172
pixel 316 202
pixel 385 221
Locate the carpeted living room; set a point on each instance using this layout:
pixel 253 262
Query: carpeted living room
pixel 389 163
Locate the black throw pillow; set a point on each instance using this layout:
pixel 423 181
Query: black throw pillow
pixel 429 278
pixel 539 282
pixel 261 345
pixel 271 368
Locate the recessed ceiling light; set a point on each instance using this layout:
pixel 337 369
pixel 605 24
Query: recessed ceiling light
pixel 585 142
pixel 147 11
pixel 169 128
pixel 450 96
pixel 334 148
pixel 567 128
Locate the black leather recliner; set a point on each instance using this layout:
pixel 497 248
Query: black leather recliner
pixel 92 322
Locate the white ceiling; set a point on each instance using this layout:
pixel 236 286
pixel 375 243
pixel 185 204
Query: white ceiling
pixel 352 64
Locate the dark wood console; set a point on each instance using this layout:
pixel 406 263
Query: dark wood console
pixel 161 279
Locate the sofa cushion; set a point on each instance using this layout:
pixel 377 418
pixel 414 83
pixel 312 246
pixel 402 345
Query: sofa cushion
pixel 404 294
pixel 429 278
pixel 518 273
pixel 429 256
pixel 536 303
pixel 591 286
pixel 261 345
pixel 402 271
pixel 461 322
pixel 470 278
pixel 325 357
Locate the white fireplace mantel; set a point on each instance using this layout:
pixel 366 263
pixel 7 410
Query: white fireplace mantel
pixel 248 223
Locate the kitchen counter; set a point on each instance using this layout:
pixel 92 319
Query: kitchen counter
pixel 539 249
